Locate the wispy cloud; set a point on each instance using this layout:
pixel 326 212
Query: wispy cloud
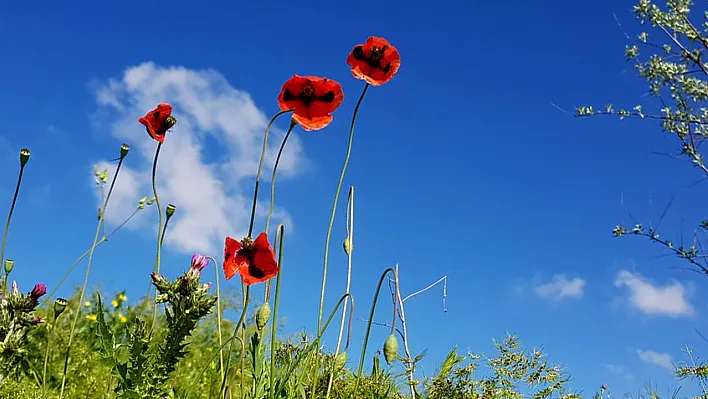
pixel 561 287
pixel 205 183
pixel 619 370
pixel 660 359
pixel 668 300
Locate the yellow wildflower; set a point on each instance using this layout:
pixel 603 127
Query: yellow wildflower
pixel 122 297
pixel 122 318
pixel 91 317
pixel 87 304
pixel 114 303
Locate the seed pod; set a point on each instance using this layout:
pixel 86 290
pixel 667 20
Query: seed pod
pixel 170 211
pixel 390 348
pixel 262 316
pixel 347 246
pixel 9 264
pixel 124 148
pixel 59 306
pixel 340 361
pixel 24 156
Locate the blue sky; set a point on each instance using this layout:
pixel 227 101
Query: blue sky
pixel 462 166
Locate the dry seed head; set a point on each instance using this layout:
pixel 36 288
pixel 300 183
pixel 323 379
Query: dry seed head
pixel 390 348
pixel 170 211
pixel 124 148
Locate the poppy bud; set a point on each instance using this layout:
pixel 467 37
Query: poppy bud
pixel 96 172
pixel 340 361
pixel 100 214
pixel 104 176
pixel 170 121
pixel 9 264
pixel 38 291
pixel 151 200
pixel 262 316
pixel 170 211
pixel 24 156
pixel 390 348
pixel 347 246
pixel 59 306
pixel 124 148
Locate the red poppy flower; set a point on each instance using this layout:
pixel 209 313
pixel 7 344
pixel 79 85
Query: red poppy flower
pixel 158 121
pixel 313 100
pixel 375 61
pixel 254 260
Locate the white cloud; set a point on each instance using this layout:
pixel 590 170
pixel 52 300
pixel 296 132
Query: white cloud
pixel 561 287
pixel 669 300
pixel 660 359
pixel 210 186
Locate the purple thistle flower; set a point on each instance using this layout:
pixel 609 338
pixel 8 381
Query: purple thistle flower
pixel 37 292
pixel 199 262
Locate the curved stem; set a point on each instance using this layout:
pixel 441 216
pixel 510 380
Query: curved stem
pixel 350 238
pixel 161 240
pixel 241 321
pixel 291 368
pixel 279 237
pixel 88 271
pixel 221 347
pixel 46 358
pixel 7 226
pixel 260 169
pixel 48 297
pixel 368 329
pixel 156 266
pixel 218 316
pixel 275 171
pixel 334 207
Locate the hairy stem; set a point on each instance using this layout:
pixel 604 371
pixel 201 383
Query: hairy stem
pixel 7 226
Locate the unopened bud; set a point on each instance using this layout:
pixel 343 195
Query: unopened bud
pixel 96 172
pixel 38 291
pixel 151 200
pixel 24 156
pixel 124 148
pixel 170 211
pixel 262 316
pixel 59 306
pixel 9 264
pixel 199 262
pixel 390 348
pixel 340 361
pixel 347 246
pixel 104 176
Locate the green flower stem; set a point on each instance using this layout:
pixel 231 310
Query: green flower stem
pixel 47 298
pixel 260 169
pixel 218 315
pixel 156 266
pixel 291 368
pixel 7 225
pixel 350 237
pixel 213 357
pixel 161 240
pixel 279 238
pixel 334 207
pixel 88 271
pixel 46 358
pixel 275 170
pixel 368 329
pixel 241 320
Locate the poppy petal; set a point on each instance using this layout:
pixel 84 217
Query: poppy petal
pixel 231 246
pixel 235 265
pixel 377 61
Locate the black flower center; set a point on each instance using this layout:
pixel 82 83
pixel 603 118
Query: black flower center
pixel 375 58
pixel 307 95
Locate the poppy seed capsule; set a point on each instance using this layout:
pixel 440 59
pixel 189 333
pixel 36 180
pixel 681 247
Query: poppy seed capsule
pixel 59 306
pixel 124 148
pixel 170 121
pixel 262 316
pixel 170 210
pixel 390 348
pixel 347 246
pixel 24 156
pixel 9 264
